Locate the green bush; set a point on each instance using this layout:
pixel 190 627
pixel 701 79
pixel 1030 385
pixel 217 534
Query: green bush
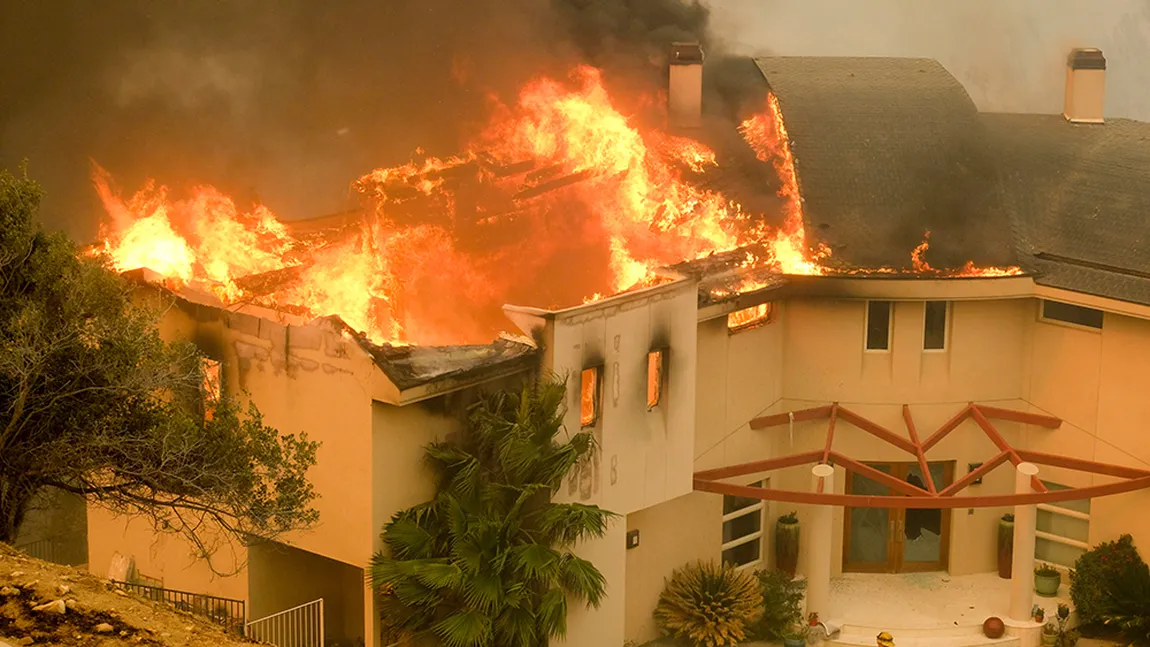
pixel 782 605
pixel 1126 603
pixel 1093 573
pixel 708 605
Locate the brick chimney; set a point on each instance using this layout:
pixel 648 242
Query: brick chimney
pixel 685 94
pixel 1085 86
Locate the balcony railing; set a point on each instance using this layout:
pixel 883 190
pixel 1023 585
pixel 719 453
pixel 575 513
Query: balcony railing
pixel 226 612
pixel 300 626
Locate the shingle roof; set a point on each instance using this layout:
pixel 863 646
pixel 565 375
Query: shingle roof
pixel 886 149
pixel 1081 193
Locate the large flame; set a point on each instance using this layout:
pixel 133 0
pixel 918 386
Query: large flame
pixel 560 199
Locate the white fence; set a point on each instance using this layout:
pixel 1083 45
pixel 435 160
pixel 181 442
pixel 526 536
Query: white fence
pixel 300 626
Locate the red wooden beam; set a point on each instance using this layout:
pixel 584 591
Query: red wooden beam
pixel 1050 422
pixel 946 428
pixel 801 415
pixel 761 466
pixel 920 502
pixel 893 482
pixel 830 433
pixel 1002 445
pixel 975 474
pixel 876 430
pixel 1081 464
pixel 918 449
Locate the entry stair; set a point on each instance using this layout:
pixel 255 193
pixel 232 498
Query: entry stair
pixel 853 635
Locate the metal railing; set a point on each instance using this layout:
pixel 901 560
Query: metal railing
pixel 300 626
pixel 225 612
pixel 48 550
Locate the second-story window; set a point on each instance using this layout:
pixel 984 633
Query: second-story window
pixel 934 325
pixel 656 370
pixel 589 396
pixel 878 325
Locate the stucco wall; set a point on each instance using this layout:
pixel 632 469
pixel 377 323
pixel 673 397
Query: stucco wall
pixel 284 577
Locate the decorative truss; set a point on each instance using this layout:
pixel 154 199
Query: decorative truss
pixel 909 495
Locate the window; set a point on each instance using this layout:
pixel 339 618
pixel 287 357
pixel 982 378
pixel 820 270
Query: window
pixel 1062 530
pixel 210 385
pixel 878 325
pixel 655 372
pixel 1072 314
pixel 589 396
pixel 752 317
pixel 743 530
pixel 934 325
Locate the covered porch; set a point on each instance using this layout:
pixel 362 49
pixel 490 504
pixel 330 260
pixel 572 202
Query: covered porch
pixel 935 606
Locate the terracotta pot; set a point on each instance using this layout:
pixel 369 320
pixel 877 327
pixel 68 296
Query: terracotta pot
pixel 787 547
pixel 1005 548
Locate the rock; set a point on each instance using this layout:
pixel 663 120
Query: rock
pixel 30 585
pixel 121 592
pixel 70 603
pixel 103 628
pixel 63 589
pixel 123 632
pixel 16 574
pixel 5 643
pixel 55 606
pixel 26 640
pixel 8 591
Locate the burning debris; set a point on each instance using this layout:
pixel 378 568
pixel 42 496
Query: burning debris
pixel 560 199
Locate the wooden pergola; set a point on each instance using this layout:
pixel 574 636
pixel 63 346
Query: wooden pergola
pixel 909 495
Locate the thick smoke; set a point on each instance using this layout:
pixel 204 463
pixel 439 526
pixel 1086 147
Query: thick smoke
pixel 288 101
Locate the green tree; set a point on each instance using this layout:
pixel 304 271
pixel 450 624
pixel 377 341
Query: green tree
pixel 94 402
pixel 487 562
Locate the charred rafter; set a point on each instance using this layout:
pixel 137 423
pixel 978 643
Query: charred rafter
pixel 910 496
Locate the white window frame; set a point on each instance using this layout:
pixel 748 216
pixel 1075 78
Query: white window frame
pixel 889 328
pixel 1059 539
pixel 945 327
pixel 760 508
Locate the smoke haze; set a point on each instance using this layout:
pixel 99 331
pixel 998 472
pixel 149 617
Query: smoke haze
pixel 287 101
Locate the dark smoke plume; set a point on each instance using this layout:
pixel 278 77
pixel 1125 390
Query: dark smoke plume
pixel 288 101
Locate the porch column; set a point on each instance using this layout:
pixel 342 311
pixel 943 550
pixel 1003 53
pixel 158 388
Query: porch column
pixel 1022 572
pixel 819 544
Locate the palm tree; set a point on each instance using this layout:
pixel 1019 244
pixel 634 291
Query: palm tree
pixel 487 562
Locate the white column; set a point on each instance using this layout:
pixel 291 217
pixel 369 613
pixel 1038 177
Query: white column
pixel 1022 572
pixel 819 544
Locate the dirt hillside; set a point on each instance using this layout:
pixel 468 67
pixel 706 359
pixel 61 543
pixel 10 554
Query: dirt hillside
pixel 77 609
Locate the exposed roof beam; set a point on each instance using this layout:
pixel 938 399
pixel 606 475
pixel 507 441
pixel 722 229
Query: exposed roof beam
pixel 1050 422
pixel 877 430
pixel 761 466
pixel 919 452
pixel 801 415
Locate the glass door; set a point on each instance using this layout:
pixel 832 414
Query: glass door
pixel 868 533
pixel 886 540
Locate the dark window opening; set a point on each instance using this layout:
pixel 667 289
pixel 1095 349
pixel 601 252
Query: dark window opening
pixel 1069 313
pixel 934 326
pixel 878 325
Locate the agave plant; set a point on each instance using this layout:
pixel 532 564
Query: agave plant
pixel 487 562
pixel 709 605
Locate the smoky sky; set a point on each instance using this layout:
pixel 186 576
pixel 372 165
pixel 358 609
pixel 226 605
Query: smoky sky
pixel 287 101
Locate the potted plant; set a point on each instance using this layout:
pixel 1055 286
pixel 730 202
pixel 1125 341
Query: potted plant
pixel 787 543
pixel 1049 635
pixel 1039 613
pixel 796 636
pixel 1005 545
pixel 1047 579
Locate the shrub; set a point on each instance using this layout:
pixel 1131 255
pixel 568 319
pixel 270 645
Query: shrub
pixel 1126 603
pixel 1045 570
pixel 782 605
pixel 709 605
pixel 1095 570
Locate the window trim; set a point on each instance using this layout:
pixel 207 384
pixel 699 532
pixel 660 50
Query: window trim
pixel 889 327
pixel 596 396
pixel 765 319
pixel 1068 324
pixel 760 508
pixel 945 327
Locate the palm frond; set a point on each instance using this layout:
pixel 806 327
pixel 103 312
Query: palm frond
pixel 552 613
pixel 515 627
pixel 406 538
pixel 464 629
pixel 537 562
pixel 564 524
pixel 582 580
pixel 439 574
pixel 483 592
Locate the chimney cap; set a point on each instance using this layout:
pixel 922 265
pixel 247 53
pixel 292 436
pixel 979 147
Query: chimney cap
pixel 686 53
pixel 1086 58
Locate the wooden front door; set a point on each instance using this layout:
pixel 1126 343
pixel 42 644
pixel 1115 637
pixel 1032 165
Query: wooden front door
pixel 882 540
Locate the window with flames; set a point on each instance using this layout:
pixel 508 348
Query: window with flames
pixel 752 317
pixel 656 374
pixel 589 396
pixel 210 384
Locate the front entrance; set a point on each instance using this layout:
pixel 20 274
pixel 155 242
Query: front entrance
pixel 882 540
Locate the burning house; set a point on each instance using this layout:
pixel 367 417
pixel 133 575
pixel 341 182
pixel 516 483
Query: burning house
pixel 859 271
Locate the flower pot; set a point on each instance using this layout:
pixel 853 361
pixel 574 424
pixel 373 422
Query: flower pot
pixel 787 547
pixel 1049 640
pixel 794 642
pixel 1005 548
pixel 1047 585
